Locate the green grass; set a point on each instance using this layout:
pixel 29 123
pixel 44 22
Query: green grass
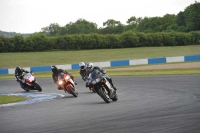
pixel 11 99
pixel 180 71
pixel 27 59
pixel 75 73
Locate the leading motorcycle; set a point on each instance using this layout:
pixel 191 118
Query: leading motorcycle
pixel 67 84
pixel 102 86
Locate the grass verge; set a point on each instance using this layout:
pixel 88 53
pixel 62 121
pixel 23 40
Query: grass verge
pixel 28 59
pixel 75 73
pixel 4 99
pixel 179 71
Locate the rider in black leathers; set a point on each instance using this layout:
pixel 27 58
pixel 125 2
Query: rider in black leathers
pixel 90 68
pixel 19 76
pixel 56 72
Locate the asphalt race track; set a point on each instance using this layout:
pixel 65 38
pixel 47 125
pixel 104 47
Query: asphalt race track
pixel 152 104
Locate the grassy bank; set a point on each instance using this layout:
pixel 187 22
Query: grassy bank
pixel 27 59
pixel 10 99
pixel 75 73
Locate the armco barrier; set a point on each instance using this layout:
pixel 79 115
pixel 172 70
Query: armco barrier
pixel 111 63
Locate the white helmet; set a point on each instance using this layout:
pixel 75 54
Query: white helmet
pixel 82 65
pixel 90 67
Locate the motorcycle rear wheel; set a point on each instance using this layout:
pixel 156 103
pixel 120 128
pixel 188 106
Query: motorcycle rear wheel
pixel 104 95
pixel 37 86
pixel 26 90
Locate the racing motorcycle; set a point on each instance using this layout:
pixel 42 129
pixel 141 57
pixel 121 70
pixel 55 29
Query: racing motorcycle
pixel 30 82
pixel 67 84
pixel 102 86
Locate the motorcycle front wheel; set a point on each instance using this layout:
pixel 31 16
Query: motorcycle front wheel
pixel 115 98
pixel 73 92
pixel 104 95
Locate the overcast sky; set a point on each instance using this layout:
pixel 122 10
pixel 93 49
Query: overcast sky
pixel 28 16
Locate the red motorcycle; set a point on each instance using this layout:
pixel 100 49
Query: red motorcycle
pixel 67 84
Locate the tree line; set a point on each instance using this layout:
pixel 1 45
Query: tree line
pixel 169 30
pixel 186 21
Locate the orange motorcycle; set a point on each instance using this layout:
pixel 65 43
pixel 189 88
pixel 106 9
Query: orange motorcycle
pixel 67 84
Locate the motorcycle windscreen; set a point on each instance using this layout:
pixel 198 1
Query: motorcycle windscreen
pixel 28 75
pixel 61 75
pixel 94 77
pixel 94 74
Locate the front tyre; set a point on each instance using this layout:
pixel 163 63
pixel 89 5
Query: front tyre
pixel 115 98
pixel 73 92
pixel 104 94
pixel 37 87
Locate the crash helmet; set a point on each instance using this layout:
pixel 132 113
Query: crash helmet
pixel 90 67
pixel 82 65
pixel 54 69
pixel 18 68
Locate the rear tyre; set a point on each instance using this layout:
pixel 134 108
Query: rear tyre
pixel 37 86
pixel 26 90
pixel 104 95
pixel 73 92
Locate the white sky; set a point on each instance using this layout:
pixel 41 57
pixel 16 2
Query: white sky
pixel 28 16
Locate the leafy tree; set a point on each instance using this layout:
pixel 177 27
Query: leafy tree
pixel 152 24
pixel 52 30
pixel 168 20
pixel 111 23
pixel 112 27
pixel 132 21
pixel 112 30
pixel 81 26
pixel 180 19
pixel 192 17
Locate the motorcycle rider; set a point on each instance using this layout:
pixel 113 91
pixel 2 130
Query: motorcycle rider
pixel 56 72
pixel 19 76
pixel 90 68
pixel 83 71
